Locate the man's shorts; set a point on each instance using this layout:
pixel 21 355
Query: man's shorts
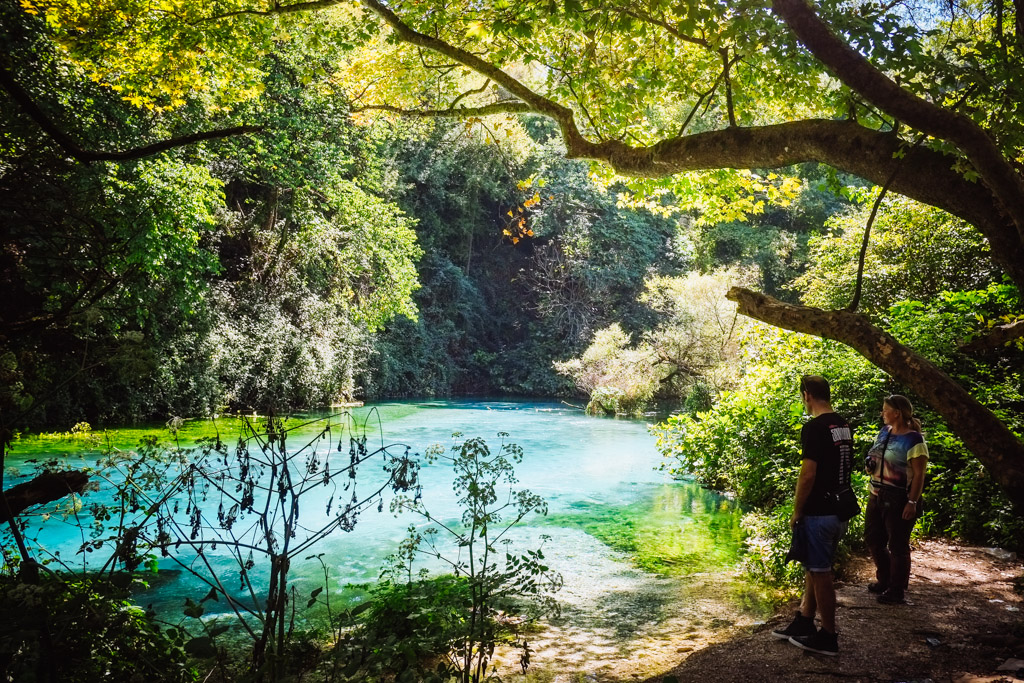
pixel 823 534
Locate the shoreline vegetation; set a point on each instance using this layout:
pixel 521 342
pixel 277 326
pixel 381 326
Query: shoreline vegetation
pixel 652 544
pixel 668 212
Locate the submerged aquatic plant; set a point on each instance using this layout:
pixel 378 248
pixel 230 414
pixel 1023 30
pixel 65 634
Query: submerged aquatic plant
pixel 675 530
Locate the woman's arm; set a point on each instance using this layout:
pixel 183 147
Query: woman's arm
pixel 917 467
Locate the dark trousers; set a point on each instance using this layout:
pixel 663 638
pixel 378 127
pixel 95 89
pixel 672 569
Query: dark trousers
pixel 887 536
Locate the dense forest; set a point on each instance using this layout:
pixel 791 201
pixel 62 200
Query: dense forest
pixel 679 207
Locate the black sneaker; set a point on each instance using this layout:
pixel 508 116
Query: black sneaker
pixel 876 588
pixel 822 642
pixel 800 626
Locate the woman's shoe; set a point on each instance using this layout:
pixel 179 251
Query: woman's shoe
pixel 891 597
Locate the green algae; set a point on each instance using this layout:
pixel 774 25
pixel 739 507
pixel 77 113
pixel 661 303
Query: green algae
pixel 84 439
pixel 677 529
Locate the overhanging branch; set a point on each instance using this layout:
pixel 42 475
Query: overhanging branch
pixel 845 145
pixel 996 337
pixel 45 488
pixel 76 151
pixel 982 432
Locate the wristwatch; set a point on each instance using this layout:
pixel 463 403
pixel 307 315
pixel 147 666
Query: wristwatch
pixel 912 502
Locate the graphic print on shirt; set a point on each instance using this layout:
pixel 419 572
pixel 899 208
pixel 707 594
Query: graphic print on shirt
pixel 842 440
pixel 899 450
pixel 827 440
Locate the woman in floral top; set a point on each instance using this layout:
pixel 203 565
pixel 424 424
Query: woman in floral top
pixel 897 463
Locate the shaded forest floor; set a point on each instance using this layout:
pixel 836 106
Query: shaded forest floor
pixel 964 618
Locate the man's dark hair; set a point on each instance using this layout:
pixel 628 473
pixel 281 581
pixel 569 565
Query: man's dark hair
pixel 817 387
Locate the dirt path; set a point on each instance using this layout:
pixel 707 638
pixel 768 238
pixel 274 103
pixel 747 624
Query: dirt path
pixel 964 618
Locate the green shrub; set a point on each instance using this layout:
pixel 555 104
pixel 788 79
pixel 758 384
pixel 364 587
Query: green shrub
pixel 700 399
pixel 620 379
pixel 768 536
pixel 418 629
pixel 405 629
pixel 76 629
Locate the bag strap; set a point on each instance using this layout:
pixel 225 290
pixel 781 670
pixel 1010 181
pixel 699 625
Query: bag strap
pixel 881 470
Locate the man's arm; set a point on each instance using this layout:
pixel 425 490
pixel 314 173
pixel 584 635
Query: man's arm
pixel 808 470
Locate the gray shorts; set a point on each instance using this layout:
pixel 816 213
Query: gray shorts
pixel 822 535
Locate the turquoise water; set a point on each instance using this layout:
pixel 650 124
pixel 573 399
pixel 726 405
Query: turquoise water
pixel 612 513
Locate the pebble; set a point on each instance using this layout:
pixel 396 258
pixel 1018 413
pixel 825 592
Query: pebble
pixel 1011 665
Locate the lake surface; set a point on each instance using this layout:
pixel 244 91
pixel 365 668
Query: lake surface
pixel 634 546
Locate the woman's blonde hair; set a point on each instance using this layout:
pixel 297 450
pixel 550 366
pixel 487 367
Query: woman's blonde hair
pixel 905 408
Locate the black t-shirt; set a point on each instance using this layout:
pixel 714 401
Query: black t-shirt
pixel 827 440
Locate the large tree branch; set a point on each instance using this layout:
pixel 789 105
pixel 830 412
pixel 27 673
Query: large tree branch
pixel 996 337
pixel 925 174
pixel 843 144
pixel 47 487
pixel 863 78
pixel 76 151
pixel 982 432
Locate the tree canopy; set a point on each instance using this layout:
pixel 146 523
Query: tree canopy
pixel 921 98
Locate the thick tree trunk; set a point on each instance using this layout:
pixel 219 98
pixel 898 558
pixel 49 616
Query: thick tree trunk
pixel 47 487
pixel 998 449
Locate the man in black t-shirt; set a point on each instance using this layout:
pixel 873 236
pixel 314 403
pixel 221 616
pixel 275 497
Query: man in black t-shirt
pixel 827 453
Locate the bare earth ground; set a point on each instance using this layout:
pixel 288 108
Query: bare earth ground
pixel 964 618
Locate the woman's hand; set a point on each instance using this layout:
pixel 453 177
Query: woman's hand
pixel 909 510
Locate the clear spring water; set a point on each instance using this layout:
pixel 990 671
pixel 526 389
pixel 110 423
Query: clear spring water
pixel 624 535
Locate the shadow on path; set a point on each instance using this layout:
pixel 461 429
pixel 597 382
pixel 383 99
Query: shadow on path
pixel 965 615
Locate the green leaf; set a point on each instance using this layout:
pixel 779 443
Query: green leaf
pixel 218 630
pixel 193 609
pixel 201 646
